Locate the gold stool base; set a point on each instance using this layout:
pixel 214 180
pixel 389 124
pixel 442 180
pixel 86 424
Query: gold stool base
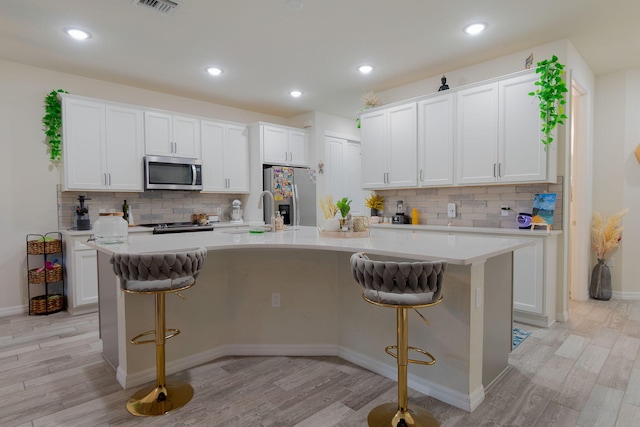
pixel 157 400
pixel 389 415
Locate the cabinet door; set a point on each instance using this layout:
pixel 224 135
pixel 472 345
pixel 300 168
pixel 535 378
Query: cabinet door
pixel 125 148
pixel 528 278
pixel 83 150
pixel 86 277
pixel 477 135
pixel 435 141
pixel 298 148
pixel 334 170
pixel 186 137
pixel 402 141
pixel 158 136
pixel 373 130
pixel 522 155
pixel 213 178
pixel 236 156
pixel 275 145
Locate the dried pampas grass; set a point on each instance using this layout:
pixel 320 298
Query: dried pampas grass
pixel 329 209
pixel 606 232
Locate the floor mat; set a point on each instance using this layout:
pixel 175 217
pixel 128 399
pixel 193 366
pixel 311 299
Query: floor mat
pixel 519 335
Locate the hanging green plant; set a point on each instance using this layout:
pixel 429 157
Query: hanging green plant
pixel 551 96
pixel 52 122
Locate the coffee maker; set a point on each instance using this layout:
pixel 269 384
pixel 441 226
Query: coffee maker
pixel 399 217
pixel 81 215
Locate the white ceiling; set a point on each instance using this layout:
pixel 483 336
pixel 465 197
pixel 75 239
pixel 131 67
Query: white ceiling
pixel 267 49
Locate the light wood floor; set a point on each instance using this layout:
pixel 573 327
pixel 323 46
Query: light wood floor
pixel 585 372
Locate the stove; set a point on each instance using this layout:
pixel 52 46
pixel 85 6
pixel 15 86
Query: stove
pixel 177 227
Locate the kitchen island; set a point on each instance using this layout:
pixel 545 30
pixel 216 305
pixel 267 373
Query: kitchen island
pixel 292 293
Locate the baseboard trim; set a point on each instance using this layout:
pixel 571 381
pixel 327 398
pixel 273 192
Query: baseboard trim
pixel 533 319
pixel 629 296
pixel 444 394
pixel 11 311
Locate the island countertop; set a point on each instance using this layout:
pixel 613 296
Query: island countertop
pixel 461 249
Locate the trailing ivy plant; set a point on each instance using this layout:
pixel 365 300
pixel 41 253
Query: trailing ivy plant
pixel 551 96
pixel 52 122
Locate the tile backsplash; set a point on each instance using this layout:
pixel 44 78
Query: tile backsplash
pixel 154 206
pixel 476 206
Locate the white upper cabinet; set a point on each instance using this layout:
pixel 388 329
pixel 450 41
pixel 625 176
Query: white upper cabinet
pixel 102 145
pixel 284 146
pixel 435 141
pixel 498 134
pixel 477 135
pixel 389 147
pixel 171 135
pixel 225 157
pixel 521 154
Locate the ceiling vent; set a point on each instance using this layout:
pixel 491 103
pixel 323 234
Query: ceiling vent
pixel 163 6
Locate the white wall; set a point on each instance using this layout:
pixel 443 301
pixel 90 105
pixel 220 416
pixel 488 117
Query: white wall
pixel 27 177
pixel 617 173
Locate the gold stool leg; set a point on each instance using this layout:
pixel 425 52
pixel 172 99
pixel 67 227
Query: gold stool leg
pixel 161 398
pixel 399 415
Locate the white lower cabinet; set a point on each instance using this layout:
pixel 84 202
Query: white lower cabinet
pixel 81 269
pixel 534 282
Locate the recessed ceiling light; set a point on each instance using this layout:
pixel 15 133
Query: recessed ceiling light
pixel 295 93
pixel 476 28
pixel 365 69
pixel 293 4
pixel 77 34
pixel 214 71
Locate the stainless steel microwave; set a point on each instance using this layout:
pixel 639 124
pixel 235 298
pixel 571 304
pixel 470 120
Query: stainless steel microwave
pixel 172 173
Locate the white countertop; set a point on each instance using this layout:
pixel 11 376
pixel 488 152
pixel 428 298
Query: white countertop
pixel 477 230
pixel 454 248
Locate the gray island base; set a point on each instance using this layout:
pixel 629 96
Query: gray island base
pixel 229 311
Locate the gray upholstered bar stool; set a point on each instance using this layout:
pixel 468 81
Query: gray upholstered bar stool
pixel 158 274
pixel 400 285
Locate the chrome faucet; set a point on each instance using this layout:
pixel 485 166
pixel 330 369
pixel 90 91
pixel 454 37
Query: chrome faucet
pixel 273 207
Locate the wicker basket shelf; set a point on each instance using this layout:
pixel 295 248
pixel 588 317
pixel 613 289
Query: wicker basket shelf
pixel 48 275
pixel 45 259
pixel 37 247
pixel 46 304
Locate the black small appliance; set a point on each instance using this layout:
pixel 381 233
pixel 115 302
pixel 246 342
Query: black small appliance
pixel 81 215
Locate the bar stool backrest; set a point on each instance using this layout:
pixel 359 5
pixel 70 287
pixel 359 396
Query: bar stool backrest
pixel 153 272
pixel 399 283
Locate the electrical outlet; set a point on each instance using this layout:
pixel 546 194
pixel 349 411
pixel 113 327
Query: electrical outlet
pixel 275 300
pixel 451 210
pixel 504 210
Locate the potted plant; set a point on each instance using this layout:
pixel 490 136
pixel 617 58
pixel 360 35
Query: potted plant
pixel 550 93
pixel 606 234
pixel 52 122
pixel 375 203
pixel 344 206
pixel 370 100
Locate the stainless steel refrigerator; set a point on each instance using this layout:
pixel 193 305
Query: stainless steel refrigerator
pixel 294 192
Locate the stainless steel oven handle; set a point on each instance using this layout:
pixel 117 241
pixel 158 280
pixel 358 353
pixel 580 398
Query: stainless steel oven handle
pixel 193 174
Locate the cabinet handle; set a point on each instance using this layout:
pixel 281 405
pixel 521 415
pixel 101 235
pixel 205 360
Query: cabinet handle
pixel 290 156
pixel 499 169
pixel 109 179
pixel 421 175
pixel 494 170
pixel 286 156
pixel 104 176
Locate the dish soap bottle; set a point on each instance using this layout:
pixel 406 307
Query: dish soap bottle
pixel 414 216
pixel 279 222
